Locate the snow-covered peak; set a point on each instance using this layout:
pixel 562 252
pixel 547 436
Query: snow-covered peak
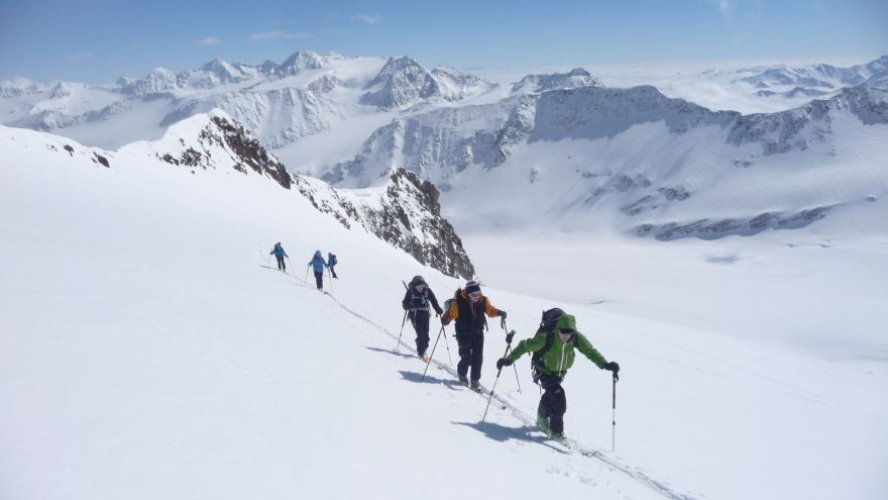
pixel 396 66
pixel 306 60
pixel 401 82
pixel 224 70
pixel 159 81
pixel 575 78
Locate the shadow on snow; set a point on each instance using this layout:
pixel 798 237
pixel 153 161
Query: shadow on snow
pixel 502 433
pixel 392 352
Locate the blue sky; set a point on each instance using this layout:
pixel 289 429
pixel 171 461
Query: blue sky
pixel 99 40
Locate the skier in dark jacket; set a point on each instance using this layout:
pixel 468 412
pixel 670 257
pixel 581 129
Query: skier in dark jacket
pixel 416 302
pixel 318 264
pixel 331 263
pixel 279 254
pixel 468 309
pixel 552 365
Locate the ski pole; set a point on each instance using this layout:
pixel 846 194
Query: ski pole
pixel 398 345
pixel 614 414
pixel 509 344
pixel 498 371
pixel 305 279
pixel 330 279
pixel 431 356
pixel 447 345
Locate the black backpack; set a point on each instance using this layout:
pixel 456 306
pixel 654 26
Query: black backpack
pixel 547 324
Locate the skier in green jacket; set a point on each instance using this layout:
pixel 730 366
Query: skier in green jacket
pixel 554 354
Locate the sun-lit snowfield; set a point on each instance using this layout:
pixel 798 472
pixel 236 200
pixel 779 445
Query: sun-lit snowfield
pixel 148 352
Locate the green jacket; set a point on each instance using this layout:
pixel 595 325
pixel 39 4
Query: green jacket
pixel 560 357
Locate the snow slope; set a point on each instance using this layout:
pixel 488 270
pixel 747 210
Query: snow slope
pixel 149 351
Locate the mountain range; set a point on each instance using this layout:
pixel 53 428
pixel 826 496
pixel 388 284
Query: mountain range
pixel 553 151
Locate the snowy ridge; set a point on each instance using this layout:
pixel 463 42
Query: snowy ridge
pixel 406 214
pixel 817 77
pixel 575 78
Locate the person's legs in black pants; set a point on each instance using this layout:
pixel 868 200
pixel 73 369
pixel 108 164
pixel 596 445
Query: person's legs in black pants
pixel 420 321
pixel 553 404
pixel 465 357
pixel 319 280
pixel 477 357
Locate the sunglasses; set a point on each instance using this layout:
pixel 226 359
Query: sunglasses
pixel 475 295
pixel 567 332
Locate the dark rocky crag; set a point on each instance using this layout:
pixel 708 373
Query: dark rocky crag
pixel 409 218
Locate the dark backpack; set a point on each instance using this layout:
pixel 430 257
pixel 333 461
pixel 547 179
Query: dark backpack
pixel 547 324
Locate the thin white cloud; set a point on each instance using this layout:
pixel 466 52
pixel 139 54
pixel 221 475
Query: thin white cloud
pixel 209 40
pixel 80 57
pixel 724 6
pixel 367 18
pixel 280 35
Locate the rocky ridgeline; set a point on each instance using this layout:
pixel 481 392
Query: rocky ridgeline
pixel 407 215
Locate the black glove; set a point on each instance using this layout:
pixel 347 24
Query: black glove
pixel 503 314
pixel 510 336
pixel 500 363
pixel 613 367
pixel 439 312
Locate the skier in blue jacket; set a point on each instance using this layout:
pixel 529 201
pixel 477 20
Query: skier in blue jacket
pixel 279 254
pixel 318 264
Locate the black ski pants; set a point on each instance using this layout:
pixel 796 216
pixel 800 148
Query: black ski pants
pixel 319 280
pixel 333 271
pixel 553 403
pixel 282 266
pixel 471 354
pixel 420 320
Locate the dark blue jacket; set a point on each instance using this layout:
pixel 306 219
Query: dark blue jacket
pixel 317 262
pixel 278 251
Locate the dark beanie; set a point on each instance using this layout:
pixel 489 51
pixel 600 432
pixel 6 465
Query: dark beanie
pixel 473 286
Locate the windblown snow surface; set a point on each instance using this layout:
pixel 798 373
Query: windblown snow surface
pixel 148 349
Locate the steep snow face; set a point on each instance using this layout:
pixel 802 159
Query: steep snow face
pixel 434 145
pixel 456 85
pixel 635 160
